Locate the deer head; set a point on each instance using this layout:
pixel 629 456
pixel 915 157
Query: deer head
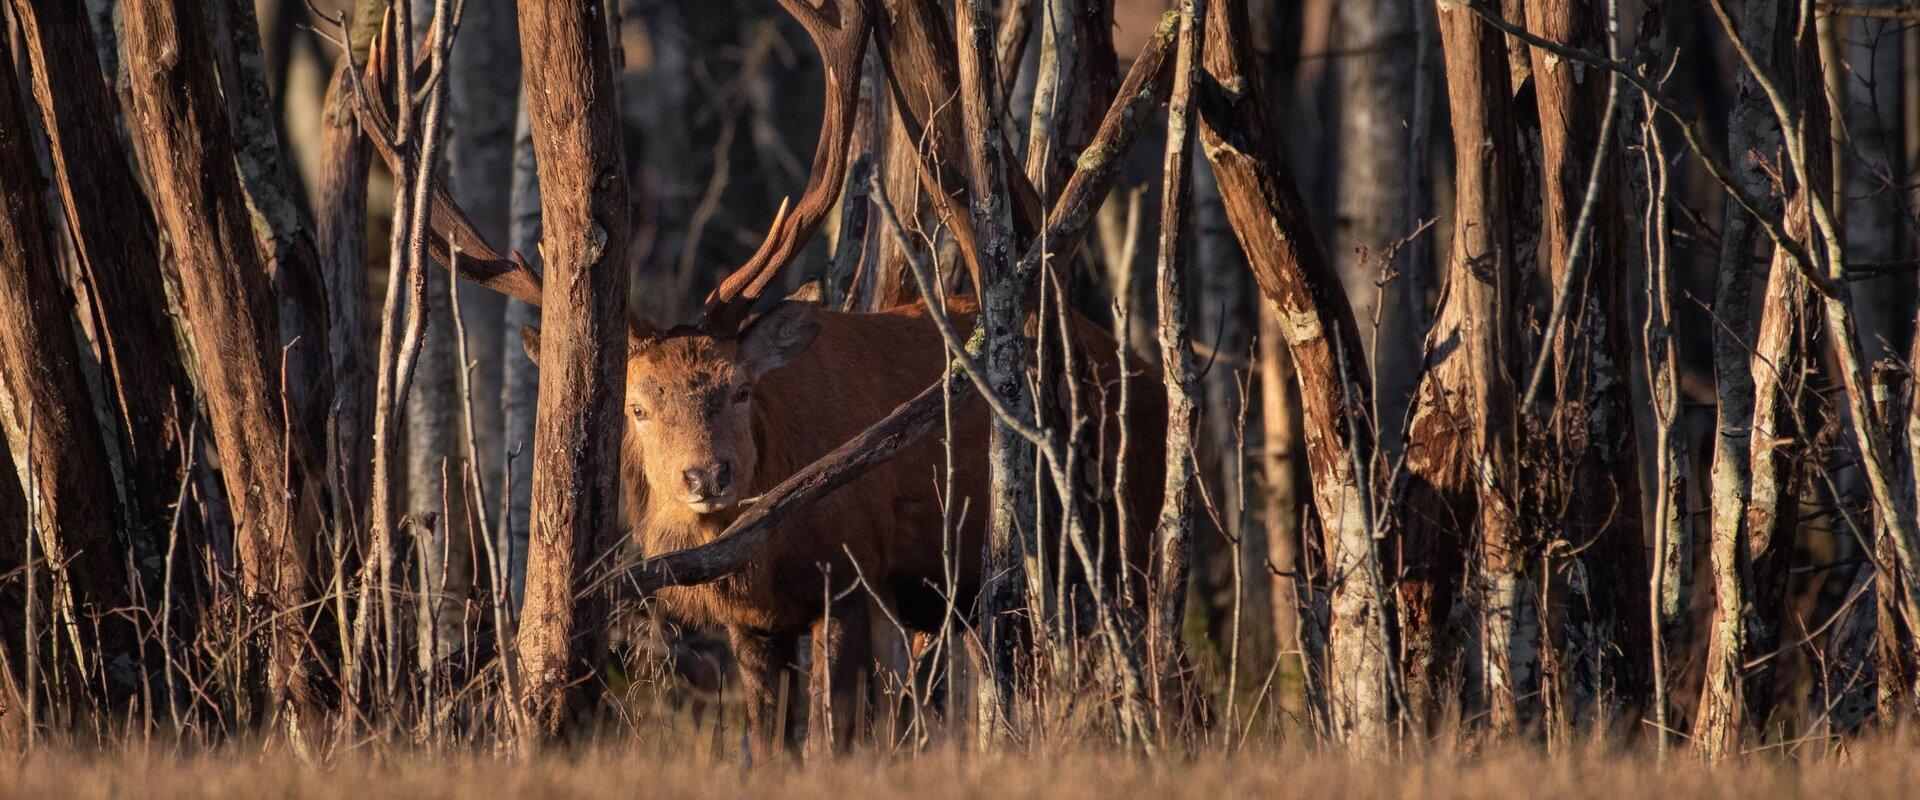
pixel 690 387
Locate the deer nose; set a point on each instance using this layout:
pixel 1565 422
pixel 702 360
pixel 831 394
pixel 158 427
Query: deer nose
pixel 711 481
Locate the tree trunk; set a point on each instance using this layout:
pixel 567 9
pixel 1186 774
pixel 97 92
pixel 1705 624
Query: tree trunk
pixel 520 384
pixel 1460 452
pixel 1753 138
pixel 485 87
pixel 1374 192
pixel 59 457
pixel 232 325
pixel 342 243
pixel 1174 531
pixel 1270 220
pixel 120 277
pixel 1010 458
pixel 1593 421
pixel 584 206
pixel 283 235
pixel 1074 86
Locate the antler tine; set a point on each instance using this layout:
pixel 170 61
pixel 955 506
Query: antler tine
pixel 449 227
pixel 839 31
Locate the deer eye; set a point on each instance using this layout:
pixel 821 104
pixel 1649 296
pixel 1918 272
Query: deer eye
pixel 742 394
pixel 639 412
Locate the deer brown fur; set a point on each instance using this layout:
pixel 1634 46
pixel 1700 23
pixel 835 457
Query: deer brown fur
pixel 794 384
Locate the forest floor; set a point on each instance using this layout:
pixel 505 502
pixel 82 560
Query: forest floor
pixel 1888 769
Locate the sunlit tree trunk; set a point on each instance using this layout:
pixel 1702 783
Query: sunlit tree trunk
pixel 1269 218
pixel 1460 453
pixel 232 325
pixel 584 207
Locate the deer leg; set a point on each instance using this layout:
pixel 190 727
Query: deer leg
pixel 770 684
pixel 842 667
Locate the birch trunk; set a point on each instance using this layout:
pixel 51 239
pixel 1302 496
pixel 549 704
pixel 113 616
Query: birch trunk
pixel 1753 137
pixel 1593 421
pixel 1010 459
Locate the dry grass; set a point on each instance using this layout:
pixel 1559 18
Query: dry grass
pixel 635 769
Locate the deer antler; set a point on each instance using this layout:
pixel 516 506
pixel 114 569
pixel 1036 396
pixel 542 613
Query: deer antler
pixel 449 228
pixel 839 30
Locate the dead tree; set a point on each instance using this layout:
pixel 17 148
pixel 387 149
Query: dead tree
pixel 1461 445
pixel 232 325
pixel 570 106
pixel 118 254
pixel 1294 274
pixel 60 458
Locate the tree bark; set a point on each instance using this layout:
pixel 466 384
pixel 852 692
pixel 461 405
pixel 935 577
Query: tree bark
pixel 118 249
pixel 1010 459
pixel 283 235
pixel 58 454
pixel 484 96
pixel 1593 421
pixel 1074 86
pixel 232 325
pixel 341 240
pixel 584 206
pixel 1174 539
pixel 1378 186
pixel 1270 220
pixel 1753 139
pixel 520 384
pixel 1460 451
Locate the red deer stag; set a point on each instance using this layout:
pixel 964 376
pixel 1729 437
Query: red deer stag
pixel 727 407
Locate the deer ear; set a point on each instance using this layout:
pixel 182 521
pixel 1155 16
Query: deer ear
pixel 774 338
pixel 530 339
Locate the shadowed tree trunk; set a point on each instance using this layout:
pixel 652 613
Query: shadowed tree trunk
pixel 1286 258
pixel 342 244
pixel 119 278
pixel 1460 451
pixel 1009 350
pixel 584 206
pixel 1593 422
pixel 232 325
pixel 1376 126
pixel 1753 139
pixel 282 233
pixel 483 102
pixel 51 431
pixel 519 387
pixel 1072 89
